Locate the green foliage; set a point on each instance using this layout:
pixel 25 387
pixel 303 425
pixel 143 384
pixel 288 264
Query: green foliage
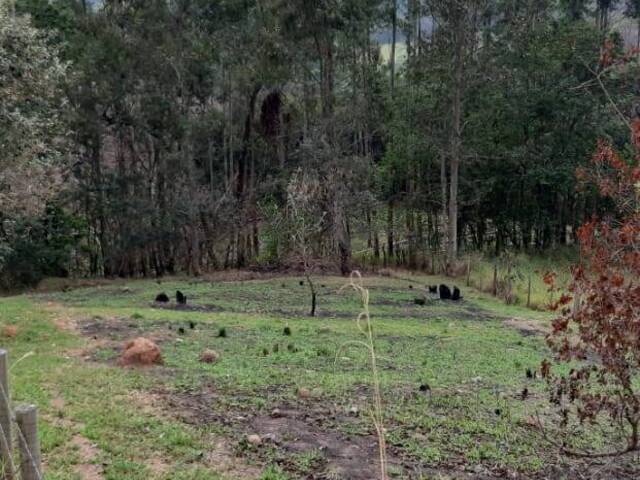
pixel 30 72
pixel 38 247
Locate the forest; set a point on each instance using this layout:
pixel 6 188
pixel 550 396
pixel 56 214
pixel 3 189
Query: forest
pixel 144 138
pixel 319 239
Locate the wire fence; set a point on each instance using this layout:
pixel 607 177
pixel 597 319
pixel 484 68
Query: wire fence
pixel 25 420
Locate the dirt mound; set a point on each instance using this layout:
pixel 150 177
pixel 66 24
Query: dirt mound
pixel 140 352
pixel 209 356
pixel 9 331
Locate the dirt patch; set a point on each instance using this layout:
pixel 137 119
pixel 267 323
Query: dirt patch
pixel 87 469
pixel 120 329
pixel 527 327
pixel 341 457
pixel 187 307
pixel 295 430
pixel 197 409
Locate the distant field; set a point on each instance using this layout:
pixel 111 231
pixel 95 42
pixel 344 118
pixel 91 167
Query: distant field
pixel 306 394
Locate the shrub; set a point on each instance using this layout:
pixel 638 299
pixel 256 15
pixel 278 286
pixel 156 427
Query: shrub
pixel 598 329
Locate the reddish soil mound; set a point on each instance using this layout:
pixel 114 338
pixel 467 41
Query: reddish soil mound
pixel 140 352
pixel 9 331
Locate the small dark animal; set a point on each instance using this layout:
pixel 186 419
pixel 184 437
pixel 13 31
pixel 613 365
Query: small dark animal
pixel 181 330
pixel 222 333
pixel 433 288
pixel 456 294
pixel 419 301
pixel 323 285
pixel 286 331
pixel 529 373
pixel 445 293
pixel 181 298
pixel 425 387
pixel 497 411
pixel 301 282
pixel 192 325
pixel 410 287
pixel 162 298
pixel 524 394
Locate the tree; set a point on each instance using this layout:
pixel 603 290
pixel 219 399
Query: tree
pixel 31 127
pixel 459 25
pixel 306 220
pixel 632 10
pixel 32 130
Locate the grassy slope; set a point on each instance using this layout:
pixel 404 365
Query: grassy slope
pixel 472 362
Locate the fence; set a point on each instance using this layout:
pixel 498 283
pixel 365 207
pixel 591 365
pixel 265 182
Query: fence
pixel 25 418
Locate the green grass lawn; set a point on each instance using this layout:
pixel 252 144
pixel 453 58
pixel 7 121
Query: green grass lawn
pixel 190 420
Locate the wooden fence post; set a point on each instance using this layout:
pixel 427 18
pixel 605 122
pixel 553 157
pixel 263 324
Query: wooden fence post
pixel 27 420
pixel 529 292
pixel 5 418
pixel 495 279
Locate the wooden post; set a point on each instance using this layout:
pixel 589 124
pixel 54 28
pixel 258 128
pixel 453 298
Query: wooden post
pixel 469 270
pixel 529 292
pixel 27 420
pixel 495 279
pixel 5 418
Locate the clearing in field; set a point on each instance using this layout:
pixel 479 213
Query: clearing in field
pixel 286 396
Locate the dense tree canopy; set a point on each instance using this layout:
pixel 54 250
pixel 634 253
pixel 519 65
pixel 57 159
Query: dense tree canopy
pixel 189 119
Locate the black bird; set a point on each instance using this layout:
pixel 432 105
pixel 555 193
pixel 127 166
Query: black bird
pixel 425 387
pixel 181 331
pixel 497 411
pixel 301 282
pixel 456 294
pixel 192 325
pixel 433 288
pixel 445 293
pixel 410 286
pixel 419 301
pixel 525 393
pixel 529 373
pixel 181 298
pixel 162 298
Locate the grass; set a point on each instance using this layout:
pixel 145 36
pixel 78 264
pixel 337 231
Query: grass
pixel 524 267
pixel 471 361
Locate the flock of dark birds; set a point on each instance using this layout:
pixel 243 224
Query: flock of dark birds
pixel 445 292
pixel 181 298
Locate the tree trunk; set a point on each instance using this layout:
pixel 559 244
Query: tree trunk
pixel 456 137
pixel 390 240
pixel 392 58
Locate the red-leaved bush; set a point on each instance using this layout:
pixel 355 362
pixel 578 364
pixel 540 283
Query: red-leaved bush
pixel 598 327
